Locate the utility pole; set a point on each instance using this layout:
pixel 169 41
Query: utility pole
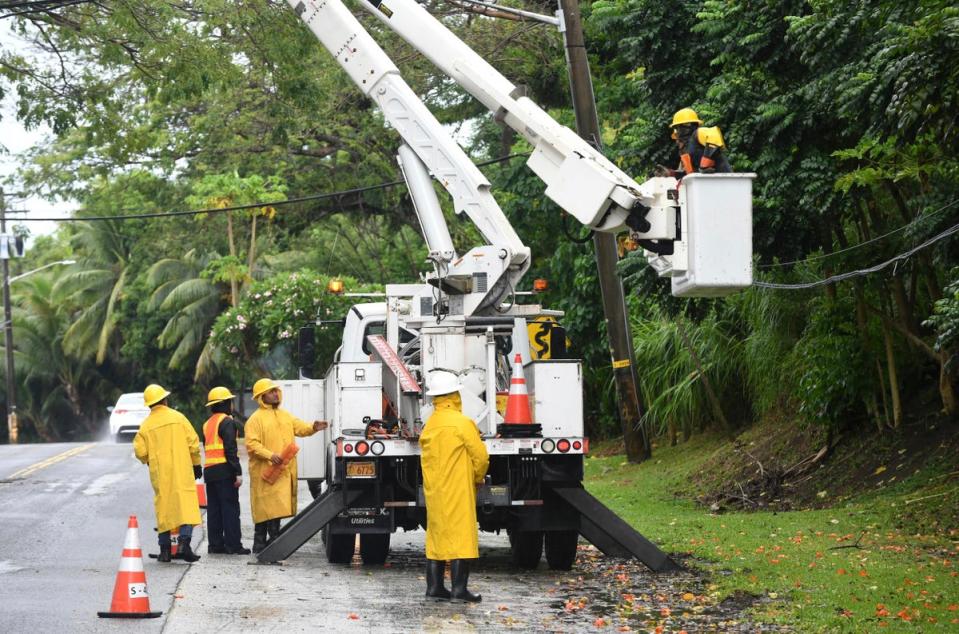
pixel 614 301
pixel 12 425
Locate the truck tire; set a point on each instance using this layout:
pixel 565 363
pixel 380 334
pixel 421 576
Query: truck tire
pixel 339 548
pixel 561 549
pixel 526 548
pixel 374 548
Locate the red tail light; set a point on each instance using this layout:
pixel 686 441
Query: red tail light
pixel 362 448
pixel 577 445
pixel 348 448
pixel 563 445
pixel 119 411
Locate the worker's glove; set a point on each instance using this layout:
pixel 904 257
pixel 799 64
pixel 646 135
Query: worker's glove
pixel 662 170
pixel 197 472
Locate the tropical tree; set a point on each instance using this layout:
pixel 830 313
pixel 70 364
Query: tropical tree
pixel 59 395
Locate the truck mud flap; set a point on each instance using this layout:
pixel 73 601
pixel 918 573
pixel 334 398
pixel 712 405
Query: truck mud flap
pixel 306 524
pixel 608 532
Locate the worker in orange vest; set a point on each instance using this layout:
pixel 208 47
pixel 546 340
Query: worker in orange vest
pixel 700 148
pixel 223 475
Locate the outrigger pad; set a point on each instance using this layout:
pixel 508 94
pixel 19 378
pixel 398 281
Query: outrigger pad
pixel 608 532
pixel 306 524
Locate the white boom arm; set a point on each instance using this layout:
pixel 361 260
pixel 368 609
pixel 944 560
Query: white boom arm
pixel 378 78
pixel 708 221
pixel 578 177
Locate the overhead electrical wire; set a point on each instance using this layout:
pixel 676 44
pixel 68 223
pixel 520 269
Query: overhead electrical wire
pixel 257 205
pixel 854 247
pixel 862 272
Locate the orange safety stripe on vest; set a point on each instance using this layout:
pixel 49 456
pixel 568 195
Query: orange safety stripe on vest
pixel 212 443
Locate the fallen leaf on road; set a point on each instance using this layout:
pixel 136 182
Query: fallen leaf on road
pixel 502 608
pixel 600 622
pixel 353 617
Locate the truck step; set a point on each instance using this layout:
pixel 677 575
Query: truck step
pixel 306 524
pixel 608 532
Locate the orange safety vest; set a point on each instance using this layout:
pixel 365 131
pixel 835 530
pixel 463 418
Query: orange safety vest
pixel 212 443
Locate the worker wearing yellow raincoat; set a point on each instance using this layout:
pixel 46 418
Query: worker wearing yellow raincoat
pixel 169 445
pixel 268 432
pixel 454 461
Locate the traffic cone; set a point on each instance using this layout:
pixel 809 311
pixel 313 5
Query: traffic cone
pixel 201 494
pixel 517 404
pixel 130 598
pixel 518 421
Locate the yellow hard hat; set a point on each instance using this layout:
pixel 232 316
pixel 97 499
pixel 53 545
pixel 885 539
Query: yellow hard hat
pixel 153 394
pixel 686 115
pixel 263 385
pixel 217 395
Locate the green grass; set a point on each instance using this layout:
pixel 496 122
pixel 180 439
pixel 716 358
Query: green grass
pixel 896 581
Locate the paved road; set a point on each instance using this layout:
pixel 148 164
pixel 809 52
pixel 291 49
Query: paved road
pixel 63 513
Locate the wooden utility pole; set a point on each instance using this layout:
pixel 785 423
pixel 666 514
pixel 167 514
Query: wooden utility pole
pixel 13 431
pixel 614 301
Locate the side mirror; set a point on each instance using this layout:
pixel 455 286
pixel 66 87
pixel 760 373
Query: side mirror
pixel 110 408
pixel 306 351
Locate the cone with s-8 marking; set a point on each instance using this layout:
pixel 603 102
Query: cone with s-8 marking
pixel 130 598
pixel 518 421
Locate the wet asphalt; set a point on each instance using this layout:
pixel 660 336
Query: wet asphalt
pixel 63 516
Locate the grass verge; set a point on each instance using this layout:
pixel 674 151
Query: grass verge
pixel 850 568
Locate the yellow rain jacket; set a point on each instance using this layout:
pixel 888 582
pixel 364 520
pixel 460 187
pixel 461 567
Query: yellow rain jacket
pixel 168 444
pixel 268 431
pixel 454 460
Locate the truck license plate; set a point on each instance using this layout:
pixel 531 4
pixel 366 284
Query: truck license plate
pixel 361 469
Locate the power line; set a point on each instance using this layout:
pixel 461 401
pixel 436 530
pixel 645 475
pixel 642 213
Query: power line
pixel 814 258
pixel 862 272
pixel 279 203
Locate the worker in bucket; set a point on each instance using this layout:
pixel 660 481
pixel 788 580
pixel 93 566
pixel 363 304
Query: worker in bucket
pixel 454 462
pixel 169 446
pixel 269 441
pixel 223 475
pixel 700 149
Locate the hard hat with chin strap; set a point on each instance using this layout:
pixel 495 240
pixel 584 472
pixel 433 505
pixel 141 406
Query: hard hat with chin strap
pixel 443 382
pixel 262 386
pixel 153 394
pixel 686 115
pixel 218 395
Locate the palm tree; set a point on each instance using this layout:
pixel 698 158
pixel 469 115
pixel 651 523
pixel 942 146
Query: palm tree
pixel 94 287
pixel 59 393
pixel 195 301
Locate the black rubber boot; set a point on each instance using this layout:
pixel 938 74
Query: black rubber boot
pixel 272 529
pixel 185 552
pixel 236 551
pixel 165 555
pixel 460 571
pixel 259 536
pixel 435 588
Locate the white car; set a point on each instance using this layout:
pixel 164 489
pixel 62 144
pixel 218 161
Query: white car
pixel 127 415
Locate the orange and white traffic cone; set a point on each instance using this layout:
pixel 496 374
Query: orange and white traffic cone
pixel 130 598
pixel 518 420
pixel 201 493
pixel 517 404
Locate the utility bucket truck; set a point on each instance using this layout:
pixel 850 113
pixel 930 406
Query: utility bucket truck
pixel 464 317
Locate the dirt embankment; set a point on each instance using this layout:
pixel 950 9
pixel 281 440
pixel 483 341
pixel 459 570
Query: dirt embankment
pixel 780 466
